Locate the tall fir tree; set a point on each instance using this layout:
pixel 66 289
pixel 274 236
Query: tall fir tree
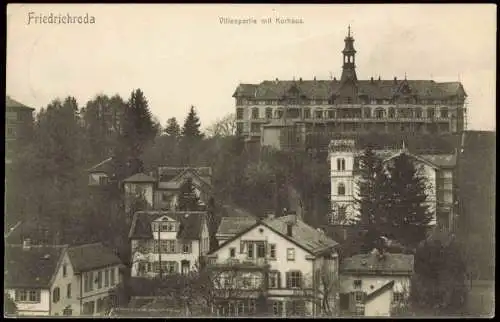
pixel 191 137
pixel 372 197
pixel 191 128
pixel 173 128
pixel 408 214
pixel 188 200
pixel 137 132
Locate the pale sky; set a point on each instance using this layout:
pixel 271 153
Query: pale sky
pixel 181 55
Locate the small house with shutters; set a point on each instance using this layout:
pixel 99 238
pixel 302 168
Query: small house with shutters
pixel 48 280
pixel 376 283
pixel 167 242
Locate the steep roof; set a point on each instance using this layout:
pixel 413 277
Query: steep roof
pixel 103 166
pixel 9 102
pixel 91 256
pixel 370 264
pixel 234 225
pixel 324 89
pixel 190 223
pixel 140 177
pixel 31 268
pixel 303 235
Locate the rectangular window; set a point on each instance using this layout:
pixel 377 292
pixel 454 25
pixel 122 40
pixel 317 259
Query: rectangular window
pixel 65 270
pixel 318 114
pixel 171 267
pixel 106 278
pixel 21 295
pixel 272 251
pixel 261 250
pixel 294 279
pixel 269 113
pixel 331 114
pixel 307 113
pixel 274 279
pixel 357 284
pixel 290 254
pixel 358 296
pixel 398 297
pixel 255 113
pixel 250 250
pixel 68 291
pixel 239 114
pixel 232 252
pixel 255 128
pixel 99 280
pixel 277 308
pixel 112 276
pixel 186 248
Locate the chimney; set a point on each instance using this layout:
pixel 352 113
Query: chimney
pixel 371 80
pixel 300 79
pixel 395 80
pixel 289 231
pixel 27 243
pixel 379 78
pixel 315 78
pixel 270 215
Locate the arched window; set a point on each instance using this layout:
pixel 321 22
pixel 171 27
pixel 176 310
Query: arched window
pixel 340 164
pixel 341 189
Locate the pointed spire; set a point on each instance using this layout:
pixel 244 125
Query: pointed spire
pixel 349 30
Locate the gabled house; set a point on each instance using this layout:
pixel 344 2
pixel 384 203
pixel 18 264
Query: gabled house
pixel 60 280
pixel 374 284
pixel 161 189
pixel 292 265
pixel 101 173
pixel 167 242
pixel 231 226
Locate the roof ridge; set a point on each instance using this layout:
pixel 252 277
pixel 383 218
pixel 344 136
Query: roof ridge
pixel 86 245
pixel 100 163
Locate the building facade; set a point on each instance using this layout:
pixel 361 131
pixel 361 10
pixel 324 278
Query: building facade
pixel 281 259
pixel 281 112
pixel 375 284
pixel 165 243
pixel 437 169
pixel 161 190
pixel 18 120
pixel 69 281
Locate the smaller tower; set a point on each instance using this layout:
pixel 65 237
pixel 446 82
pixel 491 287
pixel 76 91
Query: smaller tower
pixel 341 154
pixel 349 55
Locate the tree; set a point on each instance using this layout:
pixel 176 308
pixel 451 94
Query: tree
pixel 440 276
pixel 373 196
pixel 188 200
pixel 191 128
pixel 173 129
pixel 191 137
pixel 408 215
pixel 223 127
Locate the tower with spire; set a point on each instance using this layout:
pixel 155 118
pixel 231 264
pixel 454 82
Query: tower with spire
pixel 349 55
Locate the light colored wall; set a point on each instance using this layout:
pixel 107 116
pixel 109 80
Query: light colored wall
pixel 62 282
pixel 271 137
pixel 31 309
pixel 380 305
pixel 347 282
pixel 95 294
pixel 94 178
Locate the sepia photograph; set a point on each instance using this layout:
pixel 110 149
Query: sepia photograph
pixel 250 160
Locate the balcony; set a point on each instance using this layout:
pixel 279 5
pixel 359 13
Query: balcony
pixel 245 264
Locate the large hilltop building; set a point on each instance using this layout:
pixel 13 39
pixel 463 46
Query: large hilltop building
pixel 281 113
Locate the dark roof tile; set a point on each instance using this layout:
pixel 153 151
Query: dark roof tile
pixel 140 177
pixel 31 268
pixel 91 256
pixel 324 89
pixel 190 223
pixel 372 265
